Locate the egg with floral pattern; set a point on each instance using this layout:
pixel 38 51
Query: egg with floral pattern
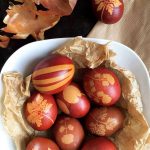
pixel 104 121
pixel 68 133
pixel 40 111
pixel 108 11
pixel 73 102
pixel 102 86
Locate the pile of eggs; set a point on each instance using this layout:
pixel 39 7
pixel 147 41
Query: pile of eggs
pixel 87 113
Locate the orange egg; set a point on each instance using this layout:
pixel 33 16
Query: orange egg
pixel 52 74
pixel 73 102
pixel 108 11
pixel 99 143
pixel 102 86
pixel 68 133
pixel 104 121
pixel 40 111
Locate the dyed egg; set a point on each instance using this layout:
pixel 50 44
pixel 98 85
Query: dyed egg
pixel 40 143
pixel 53 74
pixel 102 86
pixel 104 121
pixel 40 111
pixel 99 143
pixel 68 133
pixel 73 102
pixel 108 11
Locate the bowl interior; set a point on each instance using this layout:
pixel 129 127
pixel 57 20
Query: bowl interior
pixel 24 60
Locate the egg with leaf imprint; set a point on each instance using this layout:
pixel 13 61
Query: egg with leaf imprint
pixel 73 102
pixel 108 11
pixel 104 121
pixel 68 133
pixel 102 86
pixel 40 111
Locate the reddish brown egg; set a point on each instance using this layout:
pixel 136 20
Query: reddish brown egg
pixel 40 143
pixel 40 111
pixel 102 86
pixel 104 121
pixel 53 74
pixel 108 11
pixel 99 143
pixel 68 133
pixel 73 102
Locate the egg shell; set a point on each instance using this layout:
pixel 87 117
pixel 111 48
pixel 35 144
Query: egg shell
pixel 52 74
pixel 102 86
pixel 40 111
pixel 73 102
pixel 104 121
pixel 99 143
pixel 108 11
pixel 42 143
pixel 68 133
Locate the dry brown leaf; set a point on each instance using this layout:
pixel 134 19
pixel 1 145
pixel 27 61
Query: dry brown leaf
pixel 4 41
pixel 58 7
pixel 25 19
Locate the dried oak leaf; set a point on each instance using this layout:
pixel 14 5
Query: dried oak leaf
pixel 24 19
pixel 58 7
pixel 4 41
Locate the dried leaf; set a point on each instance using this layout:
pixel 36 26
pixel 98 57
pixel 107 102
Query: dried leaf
pixel 58 7
pixel 25 19
pixel 4 41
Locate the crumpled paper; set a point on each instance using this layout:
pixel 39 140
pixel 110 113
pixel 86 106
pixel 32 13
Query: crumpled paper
pixel 135 134
pixel 16 92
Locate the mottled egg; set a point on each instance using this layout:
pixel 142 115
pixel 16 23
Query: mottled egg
pixel 73 102
pixel 68 133
pixel 104 121
pixel 99 143
pixel 52 74
pixel 40 111
pixel 102 86
pixel 40 143
pixel 108 11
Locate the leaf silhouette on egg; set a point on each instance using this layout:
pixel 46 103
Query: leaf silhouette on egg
pixel 37 109
pixel 107 4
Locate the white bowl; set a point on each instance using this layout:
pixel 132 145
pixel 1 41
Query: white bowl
pixel 25 58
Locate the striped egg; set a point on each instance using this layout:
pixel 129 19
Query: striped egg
pixel 52 74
